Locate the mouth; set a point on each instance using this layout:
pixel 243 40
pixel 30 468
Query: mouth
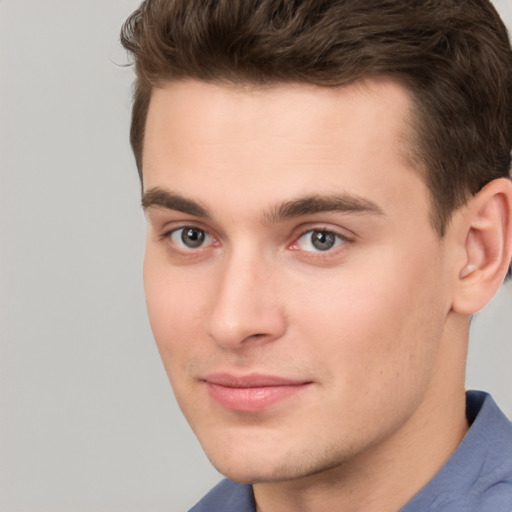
pixel 251 393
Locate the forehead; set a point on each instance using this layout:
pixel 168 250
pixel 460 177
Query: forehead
pixel 300 113
pixel 277 141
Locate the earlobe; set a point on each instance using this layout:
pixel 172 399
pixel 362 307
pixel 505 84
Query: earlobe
pixel 486 226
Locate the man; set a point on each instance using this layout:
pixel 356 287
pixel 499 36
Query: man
pixel 328 195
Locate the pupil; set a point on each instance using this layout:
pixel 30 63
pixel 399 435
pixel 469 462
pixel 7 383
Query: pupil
pixel 323 240
pixel 192 237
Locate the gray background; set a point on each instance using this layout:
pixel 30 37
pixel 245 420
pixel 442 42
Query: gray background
pixel 88 421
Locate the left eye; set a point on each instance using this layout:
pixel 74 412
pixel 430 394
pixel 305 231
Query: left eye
pixel 319 240
pixel 190 237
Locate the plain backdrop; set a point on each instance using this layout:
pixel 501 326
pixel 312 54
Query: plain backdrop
pixel 88 421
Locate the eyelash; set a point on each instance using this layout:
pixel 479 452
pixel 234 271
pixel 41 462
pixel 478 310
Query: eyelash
pixel 168 237
pixel 340 241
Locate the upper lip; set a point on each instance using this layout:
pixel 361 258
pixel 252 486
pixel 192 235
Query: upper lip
pixel 252 380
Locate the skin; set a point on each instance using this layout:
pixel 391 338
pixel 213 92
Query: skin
pixel 368 324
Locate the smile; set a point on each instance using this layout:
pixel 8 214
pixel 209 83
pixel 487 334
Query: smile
pixel 251 393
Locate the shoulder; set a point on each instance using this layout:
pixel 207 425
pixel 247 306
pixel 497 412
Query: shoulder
pixel 478 476
pixel 227 496
pixel 491 437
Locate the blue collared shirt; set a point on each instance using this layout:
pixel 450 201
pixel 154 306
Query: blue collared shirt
pixel 476 478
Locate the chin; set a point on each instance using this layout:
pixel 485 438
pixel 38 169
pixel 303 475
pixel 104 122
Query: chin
pixel 268 465
pixel 251 473
pixel 250 466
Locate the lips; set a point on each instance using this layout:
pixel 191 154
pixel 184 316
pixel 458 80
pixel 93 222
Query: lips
pixel 251 393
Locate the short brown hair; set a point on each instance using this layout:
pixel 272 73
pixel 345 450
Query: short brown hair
pixel 453 55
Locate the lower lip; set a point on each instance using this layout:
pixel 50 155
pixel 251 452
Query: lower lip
pixel 252 399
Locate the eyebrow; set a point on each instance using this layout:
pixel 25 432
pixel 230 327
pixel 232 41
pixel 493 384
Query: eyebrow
pixel 160 198
pixel 343 203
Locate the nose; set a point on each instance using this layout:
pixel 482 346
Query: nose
pixel 246 309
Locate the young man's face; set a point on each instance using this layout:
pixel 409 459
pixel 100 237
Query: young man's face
pixel 295 286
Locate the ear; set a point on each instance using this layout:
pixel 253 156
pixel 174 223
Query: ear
pixel 485 235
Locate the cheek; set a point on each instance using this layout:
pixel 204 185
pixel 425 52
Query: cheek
pixel 174 302
pixel 370 327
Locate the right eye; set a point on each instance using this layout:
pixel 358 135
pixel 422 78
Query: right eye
pixel 189 238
